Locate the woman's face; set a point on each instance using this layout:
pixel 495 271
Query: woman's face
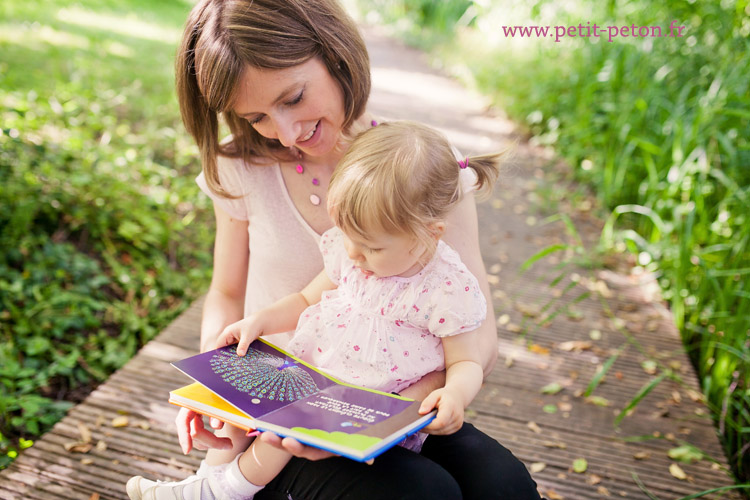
pixel 301 106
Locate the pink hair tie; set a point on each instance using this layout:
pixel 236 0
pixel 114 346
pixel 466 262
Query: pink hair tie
pixel 463 163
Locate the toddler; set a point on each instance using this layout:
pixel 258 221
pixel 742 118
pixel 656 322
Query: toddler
pixel 391 303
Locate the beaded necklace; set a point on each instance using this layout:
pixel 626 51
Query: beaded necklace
pixel 300 168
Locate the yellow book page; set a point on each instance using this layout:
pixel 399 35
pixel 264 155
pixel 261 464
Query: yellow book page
pixel 198 393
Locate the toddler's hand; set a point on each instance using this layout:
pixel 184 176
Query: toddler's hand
pixel 243 332
pixel 450 416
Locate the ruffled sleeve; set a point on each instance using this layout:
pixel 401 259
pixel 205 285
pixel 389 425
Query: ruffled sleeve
pixel 334 254
pixel 455 304
pixel 231 178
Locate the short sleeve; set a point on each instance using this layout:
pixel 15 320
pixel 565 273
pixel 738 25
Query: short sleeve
pixel 455 304
pixel 231 180
pixel 334 254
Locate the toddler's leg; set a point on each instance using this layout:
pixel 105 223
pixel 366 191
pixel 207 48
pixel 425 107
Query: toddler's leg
pixel 248 473
pixel 262 462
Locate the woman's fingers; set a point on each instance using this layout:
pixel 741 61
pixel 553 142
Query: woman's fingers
pixel 204 439
pixel 184 416
pixel 192 433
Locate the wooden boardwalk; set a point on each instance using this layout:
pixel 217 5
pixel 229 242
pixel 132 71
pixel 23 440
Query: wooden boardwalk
pixel 125 427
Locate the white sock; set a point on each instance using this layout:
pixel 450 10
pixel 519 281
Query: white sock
pixel 206 470
pixel 236 484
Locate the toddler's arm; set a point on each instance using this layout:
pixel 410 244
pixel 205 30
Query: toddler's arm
pixel 281 316
pixel 463 379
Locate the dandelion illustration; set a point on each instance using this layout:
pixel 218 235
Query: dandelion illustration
pixel 263 375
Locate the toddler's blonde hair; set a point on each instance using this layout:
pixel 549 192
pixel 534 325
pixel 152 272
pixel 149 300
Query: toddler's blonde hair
pixel 401 177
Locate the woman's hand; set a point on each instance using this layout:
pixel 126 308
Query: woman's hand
pixel 450 415
pixel 294 447
pixel 192 433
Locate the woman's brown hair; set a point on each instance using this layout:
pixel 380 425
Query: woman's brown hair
pixel 223 37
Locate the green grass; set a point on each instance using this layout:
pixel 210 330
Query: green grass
pixel 659 127
pixel 104 237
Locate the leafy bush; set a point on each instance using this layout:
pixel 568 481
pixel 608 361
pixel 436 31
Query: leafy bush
pixel 104 236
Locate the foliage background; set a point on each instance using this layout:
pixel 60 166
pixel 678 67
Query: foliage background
pixel 659 127
pixel 104 237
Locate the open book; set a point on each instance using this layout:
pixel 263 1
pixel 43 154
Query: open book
pixel 271 390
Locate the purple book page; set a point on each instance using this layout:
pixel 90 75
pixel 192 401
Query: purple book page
pixel 349 410
pixel 261 382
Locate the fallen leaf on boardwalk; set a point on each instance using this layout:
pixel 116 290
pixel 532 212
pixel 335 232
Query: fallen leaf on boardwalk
pixel 580 465
pixel 565 406
pixel 677 472
pixel 495 268
pixel 86 461
pixel 493 279
pixel 78 447
pixel 120 422
pixel 598 401
pixel 506 401
pixel 695 396
pixel 593 479
pixel 537 466
pixel 534 427
pixel 603 491
pixel 143 424
pixel 530 310
pixel 549 409
pixel 497 204
pixel 553 495
pixel 574 315
pixel 676 397
pixel 514 328
pixel 536 348
pixel 552 388
pixel 649 366
pixel 509 361
pixel 685 453
pixel 555 444
pixel 575 345
pixel 642 455
pixel 94 496
pixel 101 446
pixel 85 433
pixel 503 320
pixel 595 335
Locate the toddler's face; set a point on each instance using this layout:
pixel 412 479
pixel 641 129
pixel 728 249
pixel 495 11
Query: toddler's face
pixel 383 254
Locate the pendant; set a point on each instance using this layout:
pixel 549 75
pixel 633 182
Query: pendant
pixel 315 199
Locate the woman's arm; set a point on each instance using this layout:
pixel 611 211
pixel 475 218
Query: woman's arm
pixel 225 300
pixel 463 235
pixel 224 304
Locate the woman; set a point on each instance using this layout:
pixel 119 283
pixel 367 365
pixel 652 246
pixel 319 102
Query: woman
pixel 291 78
